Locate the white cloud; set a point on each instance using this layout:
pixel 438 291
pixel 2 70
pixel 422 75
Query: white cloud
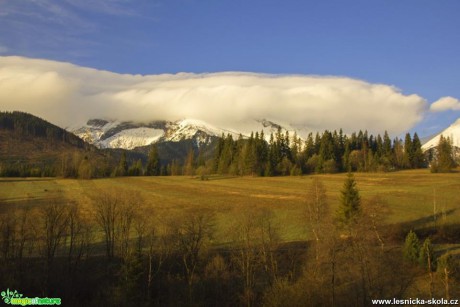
pixel 69 95
pixel 445 104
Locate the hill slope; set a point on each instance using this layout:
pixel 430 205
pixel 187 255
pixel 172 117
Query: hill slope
pixel 31 146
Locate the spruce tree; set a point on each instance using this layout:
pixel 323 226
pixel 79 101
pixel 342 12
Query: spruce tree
pixel 408 156
pixel 411 249
pixel 309 147
pixel 218 153
pixel 443 161
pixel 346 165
pixel 387 146
pixel 153 164
pixel 122 169
pixel 350 202
pixel 418 158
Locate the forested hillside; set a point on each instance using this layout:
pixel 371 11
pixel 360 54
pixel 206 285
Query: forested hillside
pixel 31 146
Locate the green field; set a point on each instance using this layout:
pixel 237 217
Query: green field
pixel 410 196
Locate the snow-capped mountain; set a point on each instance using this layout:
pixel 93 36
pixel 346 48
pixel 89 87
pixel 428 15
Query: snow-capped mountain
pixel 129 135
pixel 453 132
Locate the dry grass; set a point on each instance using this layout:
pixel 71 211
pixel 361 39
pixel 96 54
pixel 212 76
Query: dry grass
pixel 410 196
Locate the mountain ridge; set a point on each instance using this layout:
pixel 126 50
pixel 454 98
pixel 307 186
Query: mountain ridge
pixel 130 135
pixel 452 132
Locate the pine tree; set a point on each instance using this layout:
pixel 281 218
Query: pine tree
pixel 153 167
pixel 411 249
pixel 443 161
pixel 135 169
pixel 271 158
pixel 309 147
pixel 346 165
pixel 418 158
pixel 218 153
pixel 386 158
pixel 350 202
pixel 122 169
pixel 226 156
pixel 261 153
pixel 408 156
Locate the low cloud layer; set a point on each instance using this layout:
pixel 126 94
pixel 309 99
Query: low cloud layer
pixel 69 95
pixel 445 104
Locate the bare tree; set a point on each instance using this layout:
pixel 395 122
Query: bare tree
pixel 107 212
pixel 317 212
pixel 79 236
pixel 114 211
pixel 446 268
pixel 245 253
pixel 51 229
pixel 256 240
pixel 269 237
pixel 54 220
pixel 193 234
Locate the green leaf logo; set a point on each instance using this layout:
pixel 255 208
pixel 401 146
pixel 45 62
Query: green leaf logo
pixel 8 295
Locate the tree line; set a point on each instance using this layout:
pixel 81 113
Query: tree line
pixel 328 152
pixel 283 155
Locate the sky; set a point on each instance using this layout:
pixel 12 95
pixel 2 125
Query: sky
pixel 398 58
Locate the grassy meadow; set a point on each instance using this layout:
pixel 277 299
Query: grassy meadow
pixel 228 254
pixel 409 195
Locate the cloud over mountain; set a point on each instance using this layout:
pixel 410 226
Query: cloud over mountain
pixel 69 95
pixel 445 104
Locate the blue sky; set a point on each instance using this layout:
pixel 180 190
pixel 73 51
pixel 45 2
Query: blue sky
pixel 413 45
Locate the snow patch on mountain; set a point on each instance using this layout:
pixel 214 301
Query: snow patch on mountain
pixel 132 138
pixel 129 135
pixel 93 130
pixel 189 128
pixel 453 132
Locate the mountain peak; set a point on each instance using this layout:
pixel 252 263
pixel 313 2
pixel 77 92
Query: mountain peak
pixel 452 132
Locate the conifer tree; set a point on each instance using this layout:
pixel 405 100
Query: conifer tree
pixel 378 150
pixel 226 156
pixel 346 165
pixel 271 158
pixel 387 146
pixel 411 249
pixel 408 156
pixel 261 153
pixel 309 147
pixel 350 202
pixel 122 169
pixel 136 169
pixel 443 161
pixel 153 167
pixel 218 153
pixel 418 158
